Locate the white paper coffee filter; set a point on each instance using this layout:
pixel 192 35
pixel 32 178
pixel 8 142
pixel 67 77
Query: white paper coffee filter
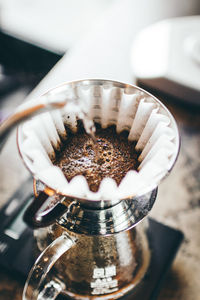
pixel 107 103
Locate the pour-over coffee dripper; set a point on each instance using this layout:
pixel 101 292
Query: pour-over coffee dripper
pixel 96 248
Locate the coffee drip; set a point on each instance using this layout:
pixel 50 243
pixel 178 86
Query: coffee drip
pixel 90 130
pixel 77 106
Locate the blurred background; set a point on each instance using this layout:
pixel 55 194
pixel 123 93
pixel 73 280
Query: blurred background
pixel 154 44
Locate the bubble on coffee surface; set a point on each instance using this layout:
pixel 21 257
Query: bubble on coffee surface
pixel 116 156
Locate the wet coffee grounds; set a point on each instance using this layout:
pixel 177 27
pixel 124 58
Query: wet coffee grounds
pixel 116 156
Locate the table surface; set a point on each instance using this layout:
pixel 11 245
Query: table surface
pixel 177 205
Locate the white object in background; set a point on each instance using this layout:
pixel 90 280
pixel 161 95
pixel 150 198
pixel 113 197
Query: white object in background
pixel 166 56
pixel 104 52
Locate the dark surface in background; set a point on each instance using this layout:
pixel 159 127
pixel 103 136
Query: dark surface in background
pixel 22 64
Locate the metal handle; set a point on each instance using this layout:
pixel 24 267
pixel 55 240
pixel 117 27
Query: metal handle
pixel 36 219
pixel 34 288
